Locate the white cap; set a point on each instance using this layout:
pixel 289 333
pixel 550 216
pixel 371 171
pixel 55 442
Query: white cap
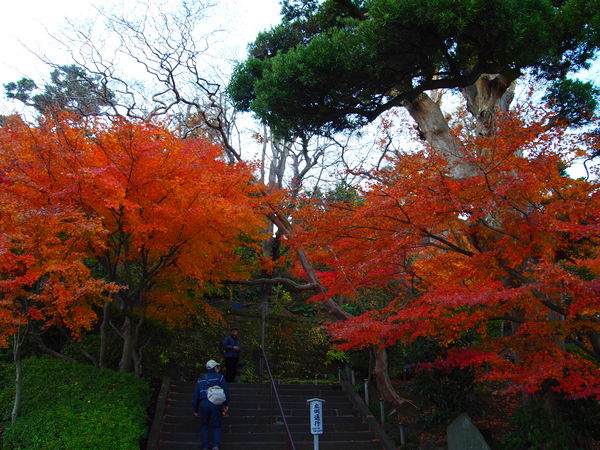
pixel 211 364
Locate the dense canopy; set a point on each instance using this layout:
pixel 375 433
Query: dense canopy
pixel 338 64
pixel 500 268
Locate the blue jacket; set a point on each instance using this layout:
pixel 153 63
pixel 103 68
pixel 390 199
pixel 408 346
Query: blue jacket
pixel 228 343
pixel 209 379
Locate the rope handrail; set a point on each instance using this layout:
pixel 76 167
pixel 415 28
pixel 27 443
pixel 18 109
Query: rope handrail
pixel 285 424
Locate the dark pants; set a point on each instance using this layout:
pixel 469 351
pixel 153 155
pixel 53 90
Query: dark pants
pixel 230 369
pixel 210 415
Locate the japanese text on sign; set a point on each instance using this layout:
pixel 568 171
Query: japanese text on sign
pixel 316 418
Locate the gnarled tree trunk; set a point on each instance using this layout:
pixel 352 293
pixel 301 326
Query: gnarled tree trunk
pixel 131 355
pixel 382 376
pixel 489 95
pixel 136 354
pixel 434 126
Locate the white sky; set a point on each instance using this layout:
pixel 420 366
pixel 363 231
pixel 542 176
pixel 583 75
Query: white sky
pixel 25 24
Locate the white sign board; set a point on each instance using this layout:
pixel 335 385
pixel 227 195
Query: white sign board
pixel 316 415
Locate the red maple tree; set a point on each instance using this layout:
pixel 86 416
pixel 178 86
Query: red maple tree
pixel 508 254
pixel 43 278
pixel 168 213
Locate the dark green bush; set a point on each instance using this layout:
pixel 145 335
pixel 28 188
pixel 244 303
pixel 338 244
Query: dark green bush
pixel 534 427
pixel 442 394
pixel 569 424
pixel 74 406
pixel 446 393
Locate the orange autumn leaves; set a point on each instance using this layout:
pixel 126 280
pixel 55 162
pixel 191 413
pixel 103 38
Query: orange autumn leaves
pixel 508 256
pixel 43 277
pixel 151 209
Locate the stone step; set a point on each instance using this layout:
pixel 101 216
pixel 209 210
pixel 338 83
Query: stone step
pixel 248 387
pixel 264 403
pixel 289 412
pixel 251 396
pixel 267 419
pixel 235 427
pixel 300 445
pixel 254 420
pixel 278 436
pixel 243 385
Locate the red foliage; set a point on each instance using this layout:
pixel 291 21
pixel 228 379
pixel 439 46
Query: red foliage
pixel 42 274
pixel 155 214
pixel 509 253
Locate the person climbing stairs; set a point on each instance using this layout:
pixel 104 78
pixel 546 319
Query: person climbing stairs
pixel 254 421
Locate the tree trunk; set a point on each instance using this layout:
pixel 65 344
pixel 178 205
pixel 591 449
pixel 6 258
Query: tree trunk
pixel 104 334
pixel 263 157
pixel 489 95
pixel 279 151
pixel 127 333
pixel 435 129
pixel 372 350
pixel 18 376
pixel 136 354
pixel 384 384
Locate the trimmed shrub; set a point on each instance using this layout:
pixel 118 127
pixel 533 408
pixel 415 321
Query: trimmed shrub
pixel 570 424
pixel 75 406
pixel 535 427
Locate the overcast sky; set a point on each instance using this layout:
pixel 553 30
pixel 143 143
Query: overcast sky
pixel 26 25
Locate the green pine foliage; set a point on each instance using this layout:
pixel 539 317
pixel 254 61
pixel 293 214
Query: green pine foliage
pixel 335 65
pixel 73 406
pixel 71 88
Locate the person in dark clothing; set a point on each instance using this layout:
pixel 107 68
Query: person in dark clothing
pixel 231 346
pixel 210 414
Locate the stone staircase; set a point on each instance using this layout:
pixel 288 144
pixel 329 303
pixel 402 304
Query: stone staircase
pixel 254 420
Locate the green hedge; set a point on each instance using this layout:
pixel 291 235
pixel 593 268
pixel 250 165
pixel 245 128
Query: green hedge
pixel 73 406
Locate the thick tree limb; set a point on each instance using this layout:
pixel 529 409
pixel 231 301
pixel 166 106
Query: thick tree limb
pixel 485 97
pixel 276 280
pixel 54 353
pixel 434 126
pixel 583 348
pixel 87 355
pixel 286 228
